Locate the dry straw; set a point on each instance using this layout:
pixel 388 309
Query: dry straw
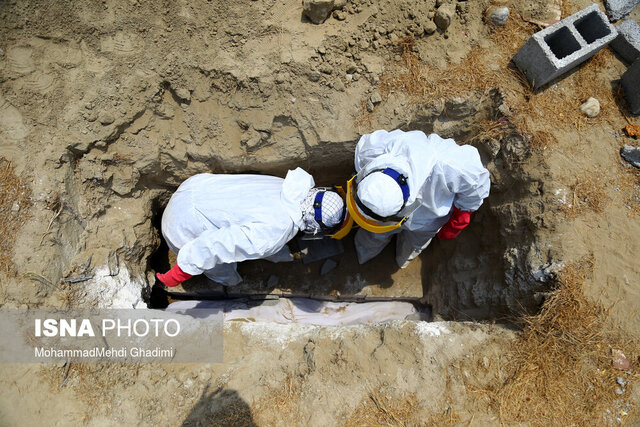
pixel 559 370
pixel 15 203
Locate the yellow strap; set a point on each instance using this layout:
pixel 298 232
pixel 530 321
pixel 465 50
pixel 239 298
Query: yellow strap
pixel 363 222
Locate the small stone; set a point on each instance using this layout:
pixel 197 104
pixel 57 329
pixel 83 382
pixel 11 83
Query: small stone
pixel 591 108
pixel 322 50
pixel 15 207
pixel 340 15
pixel 369 106
pixel 619 360
pixel 339 86
pixel 314 76
pixel 317 10
pixel 325 68
pixel 280 78
pixel 431 14
pixel 106 118
pixel 443 16
pixel 364 44
pixel 328 266
pixel 348 77
pixel 429 27
pixel 375 98
pixel 91 116
pixel 183 94
pixel 497 15
pixel 621 381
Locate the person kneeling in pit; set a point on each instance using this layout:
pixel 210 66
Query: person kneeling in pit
pixel 414 185
pixel 214 221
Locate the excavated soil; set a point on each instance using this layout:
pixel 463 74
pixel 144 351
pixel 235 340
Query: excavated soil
pixel 106 107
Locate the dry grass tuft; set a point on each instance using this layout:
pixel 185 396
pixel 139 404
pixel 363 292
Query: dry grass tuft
pixel 588 194
pixel 95 383
pixel 14 194
pixel 279 404
pixel 378 409
pixel 559 371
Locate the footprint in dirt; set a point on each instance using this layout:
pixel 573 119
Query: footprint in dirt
pixel 39 82
pixel 120 43
pixel 20 60
pixel 11 123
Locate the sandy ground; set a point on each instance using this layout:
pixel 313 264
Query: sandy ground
pixel 105 107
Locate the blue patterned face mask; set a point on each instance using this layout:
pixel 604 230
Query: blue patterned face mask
pixel 323 210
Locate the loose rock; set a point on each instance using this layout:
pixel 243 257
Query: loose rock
pixel 591 108
pixel 429 27
pixel 325 68
pixel 619 360
pixel 317 10
pixel 443 16
pixel 183 94
pixel 375 98
pixel 314 76
pixel 497 15
pixel 370 106
pixel 106 118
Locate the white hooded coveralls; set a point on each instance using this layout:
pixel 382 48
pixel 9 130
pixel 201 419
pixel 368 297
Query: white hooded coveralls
pixel 441 174
pixel 214 221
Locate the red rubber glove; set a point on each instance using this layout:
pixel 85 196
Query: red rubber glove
pixel 173 277
pixel 459 220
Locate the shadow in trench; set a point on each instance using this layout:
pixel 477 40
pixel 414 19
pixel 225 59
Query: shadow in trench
pixel 221 407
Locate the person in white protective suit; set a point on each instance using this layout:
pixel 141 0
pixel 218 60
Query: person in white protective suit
pixel 416 185
pixel 214 221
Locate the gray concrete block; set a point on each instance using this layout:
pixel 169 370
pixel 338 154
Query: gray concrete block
pixel 564 45
pixel 631 85
pixel 627 44
pixel 618 9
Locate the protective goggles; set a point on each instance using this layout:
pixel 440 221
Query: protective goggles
pixel 338 231
pixel 357 209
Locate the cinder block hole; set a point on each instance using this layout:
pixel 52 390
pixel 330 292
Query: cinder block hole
pixel 562 43
pixel 592 27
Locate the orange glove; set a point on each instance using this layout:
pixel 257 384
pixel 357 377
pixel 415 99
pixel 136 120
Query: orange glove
pixel 458 220
pixel 173 277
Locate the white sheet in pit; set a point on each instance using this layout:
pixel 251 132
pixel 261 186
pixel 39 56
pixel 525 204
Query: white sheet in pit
pixel 309 311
